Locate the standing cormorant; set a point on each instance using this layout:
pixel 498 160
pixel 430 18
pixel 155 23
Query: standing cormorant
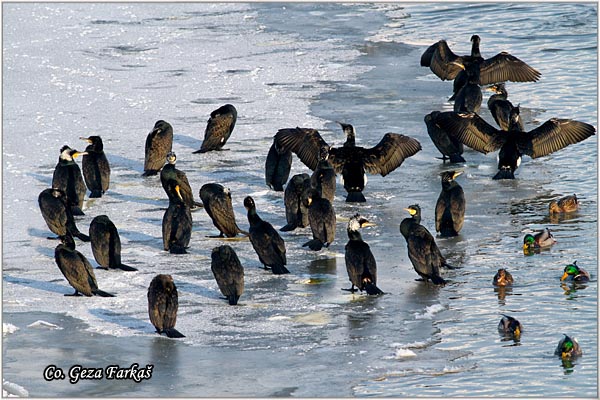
pixel 323 177
pixel 219 128
pixel 277 167
pixel 217 204
pixel 177 222
pixel 162 305
pixel 296 213
pixel 423 252
pixel 228 272
pixel 57 214
pixel 551 136
pixel 469 97
pixel 106 244
pixel 321 216
pixel 158 143
pixel 450 147
pixel 360 262
pixel 267 243
pixel 170 172
pixel 500 107
pixel 96 169
pixel 77 269
pixel 450 206
pixel 67 177
pixel 350 160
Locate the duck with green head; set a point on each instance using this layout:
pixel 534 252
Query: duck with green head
pixel 568 348
pixel 575 273
pixel 540 240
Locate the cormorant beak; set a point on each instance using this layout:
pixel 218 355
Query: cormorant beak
pixel 565 276
pixel 458 64
pixel 86 139
pixel 309 200
pixel 77 154
pixel 367 223
pixel 410 211
pixel 456 174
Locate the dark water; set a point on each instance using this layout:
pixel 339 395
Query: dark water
pixel 115 69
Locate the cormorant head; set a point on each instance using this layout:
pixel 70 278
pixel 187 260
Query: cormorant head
pixel 58 193
pixel 348 130
pixel 414 210
pixel 324 153
pixel 309 196
pixel 161 126
pixel 224 252
pixel 497 88
pixel 570 270
pixel 166 281
pixel 514 118
pixel 449 176
pixel 67 241
pixel 249 203
pixel 68 154
pixel 475 39
pixel 226 109
pixel 171 157
pixel 357 222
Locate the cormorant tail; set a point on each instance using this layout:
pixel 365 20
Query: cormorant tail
pixel 150 172
pixel 233 299
pixel 95 194
pixel 278 187
pixel 314 244
pixel 279 270
pixel 457 158
pixel 244 232
pixel 355 197
pixel 504 174
pixel 177 249
pixel 173 333
pixel 371 289
pixel 126 267
pixel 75 210
pixel 438 280
pixel 200 151
pixel 289 227
pixel 197 205
pixel 446 265
pixel 102 293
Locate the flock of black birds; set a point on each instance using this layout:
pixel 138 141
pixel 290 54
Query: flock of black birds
pixel 308 198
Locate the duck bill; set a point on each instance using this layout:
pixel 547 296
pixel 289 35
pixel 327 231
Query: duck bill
pixel 565 276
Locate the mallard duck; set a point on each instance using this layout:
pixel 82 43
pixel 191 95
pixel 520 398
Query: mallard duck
pixel 509 326
pixel 540 240
pixel 503 278
pixel 568 348
pixel 575 273
pixel 565 204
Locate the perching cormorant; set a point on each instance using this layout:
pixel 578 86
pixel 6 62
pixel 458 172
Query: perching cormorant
pixel 219 128
pixel 162 305
pixel 77 269
pixel 321 216
pixel 296 213
pixel 228 272
pixel 549 137
pixel 500 107
pixel 177 222
pixel 423 252
pixel 67 177
pixel 360 262
pixel 106 244
pixel 95 166
pixel 57 214
pixel 450 147
pixel 469 97
pixel 267 243
pixel 170 172
pixel 450 206
pixel 158 143
pixel 323 177
pixel 277 167
pixel 217 204
pixel 350 160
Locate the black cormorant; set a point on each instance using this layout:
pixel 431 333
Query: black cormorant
pixel 510 327
pixel 423 252
pixel 277 167
pixel 549 137
pixel 170 172
pixel 267 243
pixel 57 214
pixel 360 262
pixel 106 244
pixel 350 160
pixel 96 169
pixel 450 206
pixel 162 305
pixel 469 97
pixel 228 272
pixel 219 128
pixel 77 269
pixel 67 177
pixel 158 143
pixel 321 216
pixel 450 147
pixel 177 222
pixel 323 177
pixel 500 107
pixel 217 204
pixel 296 213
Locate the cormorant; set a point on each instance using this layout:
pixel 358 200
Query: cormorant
pixel 510 327
pixel 77 269
pixel 565 204
pixel 177 222
pixel 551 136
pixel 575 273
pixel 500 107
pixel 450 147
pixel 96 169
pixel 267 243
pixel 321 216
pixel 228 272
pixel 350 160
pixel 296 213
pixel 219 128
pixel 277 167
pixel 67 177
pixel 542 239
pixel 568 348
pixel 57 214
pixel 360 262
pixel 423 252
pixel 162 305
pixel 500 68
pixel 217 203
pixel 170 172
pixel 106 244
pixel 158 143
pixel 502 278
pixel 450 206
pixel 323 177
pixel 469 97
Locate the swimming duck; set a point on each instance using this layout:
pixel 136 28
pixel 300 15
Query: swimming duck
pixel 540 240
pixel 95 166
pixel 502 278
pixel 568 348
pixel 159 143
pixel 163 303
pixel 218 128
pixel 575 273
pixel 509 326
pixel 565 204
pixel 68 178
pixel 450 206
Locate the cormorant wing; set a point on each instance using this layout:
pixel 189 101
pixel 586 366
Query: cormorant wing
pixel 506 67
pixel 389 153
pixel 419 250
pixel 269 246
pixel 220 209
pixel 304 142
pixel 439 58
pixel 553 135
pixel 457 201
pixel 101 244
pixel 472 130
